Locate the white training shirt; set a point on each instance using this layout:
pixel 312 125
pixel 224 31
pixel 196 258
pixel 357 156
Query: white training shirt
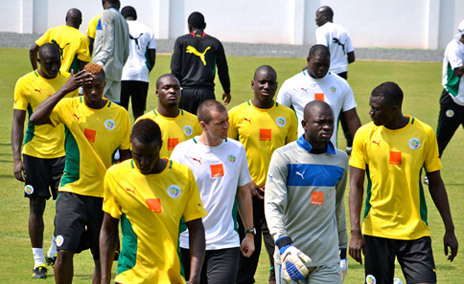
pixel 453 58
pixel 337 39
pixel 141 39
pixel 301 89
pixel 218 172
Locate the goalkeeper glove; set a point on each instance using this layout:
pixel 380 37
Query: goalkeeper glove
pixel 343 263
pixel 293 261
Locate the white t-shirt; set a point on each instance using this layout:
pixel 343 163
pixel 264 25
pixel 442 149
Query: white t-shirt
pixel 301 89
pixel 337 39
pixel 218 172
pixel 141 39
pixel 453 58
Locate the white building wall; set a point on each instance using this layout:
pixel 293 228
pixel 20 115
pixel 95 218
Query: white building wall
pixel 426 24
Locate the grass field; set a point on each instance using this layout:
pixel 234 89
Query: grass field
pixel 419 81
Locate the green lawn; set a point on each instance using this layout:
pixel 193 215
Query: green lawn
pixel 421 83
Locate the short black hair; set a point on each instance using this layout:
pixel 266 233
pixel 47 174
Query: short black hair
pixel 129 11
pixel 196 20
pixel 146 131
pixel 267 68
pixel 390 91
pixel 206 107
pixel 165 76
pixel 49 49
pixel 319 50
pixel 326 10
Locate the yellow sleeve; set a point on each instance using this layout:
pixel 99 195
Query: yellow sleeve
pixel 358 155
pixel 59 111
pixel 432 161
pixel 83 53
pixel 125 144
pixel 20 100
pixel 233 132
pixel 293 129
pixel 45 38
pixel 110 203
pixel 194 208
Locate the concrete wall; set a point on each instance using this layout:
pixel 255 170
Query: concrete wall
pixel 424 24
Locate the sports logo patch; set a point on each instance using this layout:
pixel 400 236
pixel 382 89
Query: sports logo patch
pixel 449 113
pixel 265 135
pixel 29 189
pixel 172 143
pixel 319 96
pixel 174 191
pixel 154 204
pixel 333 89
pixel 395 158
pixel 281 121
pixel 188 130
pixel 109 124
pixel 231 159
pixel 59 240
pixel 370 279
pixel 217 170
pixel 90 134
pixel 414 143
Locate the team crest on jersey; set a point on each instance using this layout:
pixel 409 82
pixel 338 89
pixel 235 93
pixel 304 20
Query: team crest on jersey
pixel 109 124
pixel 333 89
pixel 231 158
pixel 414 143
pixel 188 130
pixel 59 240
pixel 449 113
pixel 281 121
pixel 174 191
pixel 370 279
pixel 29 189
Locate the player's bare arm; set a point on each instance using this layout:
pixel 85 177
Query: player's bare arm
pixel 108 240
pixel 197 249
pixel 33 55
pixel 353 121
pixel 356 246
pixel 440 198
pixel 42 112
pixel 247 247
pixel 17 135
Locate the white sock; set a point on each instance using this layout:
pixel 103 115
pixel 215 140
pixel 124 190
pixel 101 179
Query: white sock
pixel 38 256
pixel 53 249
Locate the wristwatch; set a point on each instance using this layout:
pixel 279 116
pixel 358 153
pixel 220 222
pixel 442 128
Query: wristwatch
pixel 251 231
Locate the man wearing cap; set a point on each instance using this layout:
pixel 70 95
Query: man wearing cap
pixel 195 58
pixel 452 98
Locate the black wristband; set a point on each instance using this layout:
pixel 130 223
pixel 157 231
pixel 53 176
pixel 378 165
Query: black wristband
pixel 283 242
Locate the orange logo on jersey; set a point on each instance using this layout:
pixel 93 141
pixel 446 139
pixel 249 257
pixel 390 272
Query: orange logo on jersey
pixel 317 198
pixel 395 158
pixel 375 142
pixel 246 119
pixel 319 96
pixel 90 134
pixel 217 171
pixel 172 143
pixel 265 135
pixel 154 204
pixel 191 49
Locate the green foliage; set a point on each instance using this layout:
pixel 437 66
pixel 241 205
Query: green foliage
pixel 421 83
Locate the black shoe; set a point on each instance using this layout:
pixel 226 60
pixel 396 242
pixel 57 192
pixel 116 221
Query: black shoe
pixel 40 272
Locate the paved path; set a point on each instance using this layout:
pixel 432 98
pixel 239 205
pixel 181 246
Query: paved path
pixel 16 40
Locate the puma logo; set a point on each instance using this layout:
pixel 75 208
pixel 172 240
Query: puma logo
pixel 130 190
pixel 197 160
pixel 335 40
pixel 246 119
pixel 300 174
pixel 59 47
pixel 304 89
pixel 78 117
pixel 191 49
pixel 377 143
pixel 136 39
pixel 38 90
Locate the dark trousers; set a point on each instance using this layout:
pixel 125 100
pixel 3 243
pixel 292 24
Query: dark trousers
pixel 248 265
pixel 342 119
pixel 136 91
pixel 219 266
pixel 191 98
pixel 450 117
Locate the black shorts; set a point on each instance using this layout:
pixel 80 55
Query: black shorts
pixel 137 92
pixel 78 222
pixel 219 266
pixel 191 98
pixel 42 176
pixel 414 256
pixel 450 117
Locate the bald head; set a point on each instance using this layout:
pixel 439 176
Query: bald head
pixel 318 124
pixel 73 18
pixel 265 68
pixel 164 77
pixel 319 50
pixel 49 50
